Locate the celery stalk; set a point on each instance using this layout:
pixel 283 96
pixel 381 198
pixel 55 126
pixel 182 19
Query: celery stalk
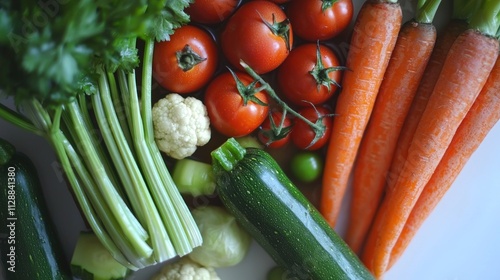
pixel 138 188
pixel 111 196
pixel 194 237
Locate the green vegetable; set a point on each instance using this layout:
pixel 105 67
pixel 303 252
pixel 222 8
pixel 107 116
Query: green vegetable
pixel 265 202
pixel 225 243
pixel 248 141
pixel 91 261
pixel 185 269
pixel 306 166
pixel 30 248
pixel 84 56
pixel 193 177
pixel 276 273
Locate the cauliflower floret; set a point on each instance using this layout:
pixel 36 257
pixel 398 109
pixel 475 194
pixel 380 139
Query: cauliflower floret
pixel 180 125
pixel 186 269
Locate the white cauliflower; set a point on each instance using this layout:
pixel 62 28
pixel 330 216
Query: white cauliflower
pixel 186 269
pixel 180 125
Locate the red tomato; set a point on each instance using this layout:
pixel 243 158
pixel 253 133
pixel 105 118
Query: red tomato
pixel 211 11
pixel 226 109
pixel 187 61
pixel 275 130
pixel 312 20
pixel 303 135
pixel 279 1
pixel 248 37
pixel 302 81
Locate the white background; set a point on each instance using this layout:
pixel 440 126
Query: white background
pixel 459 241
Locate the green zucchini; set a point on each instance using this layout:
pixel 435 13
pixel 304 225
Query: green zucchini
pixel 29 243
pixel 253 187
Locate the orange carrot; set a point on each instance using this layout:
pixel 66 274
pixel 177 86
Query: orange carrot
pixel 402 77
pixel 464 73
pixel 443 43
pixel 483 115
pixel 373 39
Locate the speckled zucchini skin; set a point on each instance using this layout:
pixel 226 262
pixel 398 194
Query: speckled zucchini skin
pixel 283 221
pixel 38 253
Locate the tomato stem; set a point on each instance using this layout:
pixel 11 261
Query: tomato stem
pixel 276 132
pixel 281 29
pixel 248 92
pixel 318 127
pixel 187 58
pixel 321 74
pixel 326 4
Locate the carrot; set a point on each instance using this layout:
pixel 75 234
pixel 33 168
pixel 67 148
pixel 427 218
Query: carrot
pixel 373 39
pixel 483 115
pixel 464 73
pixel 462 11
pixel 401 79
pixel 457 25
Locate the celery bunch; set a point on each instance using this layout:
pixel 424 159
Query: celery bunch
pixel 73 67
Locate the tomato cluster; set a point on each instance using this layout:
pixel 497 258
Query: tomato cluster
pixel 288 43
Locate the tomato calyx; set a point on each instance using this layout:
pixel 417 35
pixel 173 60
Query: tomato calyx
pixel 327 4
pixel 321 74
pixel 318 127
pixel 318 122
pixel 187 58
pixel 281 29
pixel 248 92
pixel 278 131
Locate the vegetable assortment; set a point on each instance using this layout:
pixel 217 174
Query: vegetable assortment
pixel 160 84
pixel 83 98
pixel 271 208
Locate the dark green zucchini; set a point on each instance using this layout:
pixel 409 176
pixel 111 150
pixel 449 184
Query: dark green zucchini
pixel 29 244
pixel 281 219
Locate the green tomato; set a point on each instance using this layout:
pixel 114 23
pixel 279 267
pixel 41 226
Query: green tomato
pixel 306 166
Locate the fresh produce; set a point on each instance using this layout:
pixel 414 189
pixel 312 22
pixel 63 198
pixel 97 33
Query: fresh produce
pixel 275 130
pixel 259 33
pixel 407 64
pixel 276 273
pixel 309 75
pixel 317 121
pixel 91 260
pixel 235 104
pixel 373 39
pixel 483 115
pixel 86 56
pixel 211 11
pixel 314 20
pixel 452 97
pixel 306 166
pixel 193 177
pixel 185 269
pixel 267 204
pixel 304 136
pixel 26 221
pixel 180 125
pixel 225 243
pixel 462 10
pixel 249 141
pixel 94 101
pixel 186 62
